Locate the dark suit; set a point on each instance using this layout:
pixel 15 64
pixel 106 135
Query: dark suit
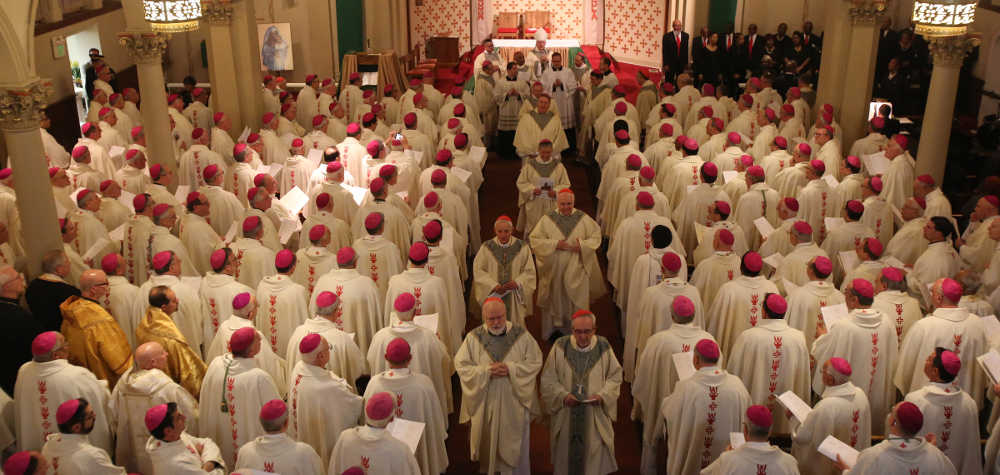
pixel 754 49
pixel 675 56
pixel 727 42
pixel 698 48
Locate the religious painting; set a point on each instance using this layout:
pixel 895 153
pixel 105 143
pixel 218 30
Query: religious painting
pixel 275 46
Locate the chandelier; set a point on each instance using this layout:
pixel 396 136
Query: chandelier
pixel 937 18
pixel 172 16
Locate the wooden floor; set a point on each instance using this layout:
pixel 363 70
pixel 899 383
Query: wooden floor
pixel 498 196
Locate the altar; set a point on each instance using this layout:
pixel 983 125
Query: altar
pixel 507 47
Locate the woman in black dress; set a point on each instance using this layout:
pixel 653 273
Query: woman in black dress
pixel 801 55
pixel 713 62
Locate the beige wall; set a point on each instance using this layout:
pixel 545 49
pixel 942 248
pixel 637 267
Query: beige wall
pixel 58 70
pixel 767 14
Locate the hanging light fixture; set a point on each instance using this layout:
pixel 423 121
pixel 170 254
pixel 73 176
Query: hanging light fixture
pixel 937 18
pixel 172 16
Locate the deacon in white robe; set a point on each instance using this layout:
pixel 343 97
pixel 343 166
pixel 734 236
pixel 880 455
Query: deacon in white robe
pixel 430 356
pixel 371 448
pixel 891 299
pixel 949 327
pixel 634 238
pixel 866 340
pixel 432 296
pixel 172 450
pixel 803 250
pixel 359 299
pixel 323 404
pixel 843 412
pixel 275 451
pixel 693 208
pixel 415 401
pixel 898 179
pixel 137 391
pixel 284 303
pixel 756 451
pixel 785 355
pixel 47 381
pixel 903 451
pixel 759 201
pixel 224 208
pixel 949 413
pixel 702 411
pixel 656 375
pixel 346 359
pixel 498 364
pixel 244 311
pixel 939 261
pixel 232 393
pixel 739 303
pixel 908 243
pixel 579 387
pixel 121 296
pixel 806 301
pixel 253 260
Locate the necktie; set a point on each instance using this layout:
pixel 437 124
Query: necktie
pixel 751 45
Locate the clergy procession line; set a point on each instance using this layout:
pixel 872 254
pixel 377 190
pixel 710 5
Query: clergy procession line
pixel 299 305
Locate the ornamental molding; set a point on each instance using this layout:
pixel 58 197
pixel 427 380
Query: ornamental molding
pixel 21 107
pixel 144 47
pixel 218 12
pixel 866 12
pixel 950 51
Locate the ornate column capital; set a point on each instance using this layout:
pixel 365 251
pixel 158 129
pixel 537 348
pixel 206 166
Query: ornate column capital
pixel 21 107
pixel 145 47
pixel 866 11
pixel 217 12
pixel 950 50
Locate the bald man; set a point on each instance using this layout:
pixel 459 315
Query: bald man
pixel 142 387
pixel 94 338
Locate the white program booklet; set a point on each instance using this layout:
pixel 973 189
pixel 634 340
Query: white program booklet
pixel 461 173
pixel 429 321
pixel 294 200
pixel 990 362
pixel 478 156
pixel 834 313
pixel 832 447
pixel 684 364
pixel 876 163
pixel 407 431
pixel 795 405
pixel 763 226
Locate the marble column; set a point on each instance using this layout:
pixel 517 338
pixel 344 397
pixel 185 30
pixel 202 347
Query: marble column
pixel 20 114
pixel 246 58
pixel 860 71
pixel 836 39
pixel 147 48
pixel 221 67
pixel 935 132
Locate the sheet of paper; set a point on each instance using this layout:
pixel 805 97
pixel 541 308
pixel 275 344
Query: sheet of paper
pixel 684 364
pixel 691 188
pixel 848 260
pixel 116 150
pixel 429 321
pixel 118 234
pixel 294 200
pixel 98 246
pixel 795 405
pixel 478 156
pixel 231 234
pixel 407 431
pixel 315 156
pixel 192 281
pixel 243 135
pixel 876 163
pixel 288 227
pixel 357 193
pixel 461 174
pixel 730 175
pixel 830 180
pixel 181 194
pixel 832 223
pixel 763 226
pixel 736 439
pixel 126 199
pixel 273 169
pixel 774 260
pixel 990 362
pixel 834 313
pixel 831 447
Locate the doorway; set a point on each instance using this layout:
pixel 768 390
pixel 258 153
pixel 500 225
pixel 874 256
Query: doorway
pixel 350 26
pixel 77 46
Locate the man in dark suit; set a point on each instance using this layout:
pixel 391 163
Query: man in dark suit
pixel 728 41
pixel 698 45
pixel 754 45
pixel 809 39
pixel 675 51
